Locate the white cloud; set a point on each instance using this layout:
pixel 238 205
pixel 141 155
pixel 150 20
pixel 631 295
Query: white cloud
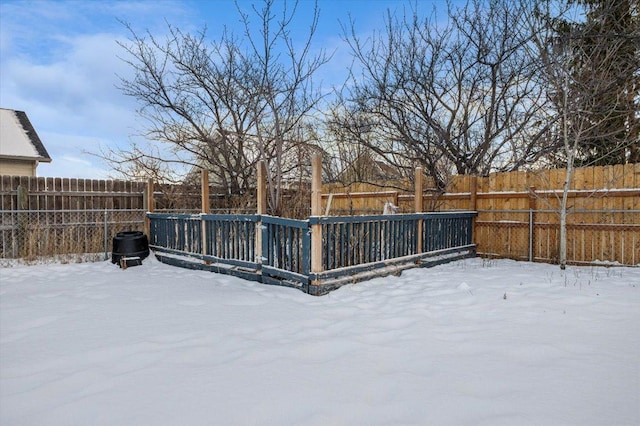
pixel 55 66
pixel 69 156
pixel 59 63
pixel 73 167
pixel 75 96
pixel 83 76
pixel 76 160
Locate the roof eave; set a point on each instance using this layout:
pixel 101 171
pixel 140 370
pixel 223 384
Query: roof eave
pixel 23 158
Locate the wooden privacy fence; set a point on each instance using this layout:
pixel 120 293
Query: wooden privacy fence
pixel 518 212
pixel 55 194
pixel 593 237
pixel 40 193
pixel 74 219
pixel 63 218
pixel 280 251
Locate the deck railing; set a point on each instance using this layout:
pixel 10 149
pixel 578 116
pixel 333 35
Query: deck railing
pixel 354 240
pixel 275 250
pixel 230 238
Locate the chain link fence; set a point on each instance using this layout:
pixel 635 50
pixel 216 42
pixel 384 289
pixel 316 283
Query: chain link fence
pixel 608 237
pixel 28 236
pixel 593 237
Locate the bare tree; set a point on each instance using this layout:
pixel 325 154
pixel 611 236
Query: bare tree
pixel 457 97
pixel 283 71
pixel 358 153
pixel 223 105
pixel 195 100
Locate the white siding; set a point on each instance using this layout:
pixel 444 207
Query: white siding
pixel 17 167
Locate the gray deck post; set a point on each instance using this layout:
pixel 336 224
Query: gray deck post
pixel 205 209
pixel 418 203
pixel 261 209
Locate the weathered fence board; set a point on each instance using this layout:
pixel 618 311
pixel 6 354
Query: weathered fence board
pixel 71 194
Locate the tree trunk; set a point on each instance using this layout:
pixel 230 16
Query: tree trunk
pixel 563 215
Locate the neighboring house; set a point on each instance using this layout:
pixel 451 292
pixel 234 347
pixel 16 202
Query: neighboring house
pixel 20 147
pixel 366 168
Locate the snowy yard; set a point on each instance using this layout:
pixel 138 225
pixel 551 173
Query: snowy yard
pixel 472 342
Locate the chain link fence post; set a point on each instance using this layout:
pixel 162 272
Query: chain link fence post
pixel 530 235
pixel 106 239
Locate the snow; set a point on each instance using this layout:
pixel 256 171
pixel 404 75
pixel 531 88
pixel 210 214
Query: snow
pixel 15 140
pixel 473 342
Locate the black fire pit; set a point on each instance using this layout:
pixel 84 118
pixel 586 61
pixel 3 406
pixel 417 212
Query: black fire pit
pixel 129 248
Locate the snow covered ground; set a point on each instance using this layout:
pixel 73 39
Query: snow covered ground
pixel 468 343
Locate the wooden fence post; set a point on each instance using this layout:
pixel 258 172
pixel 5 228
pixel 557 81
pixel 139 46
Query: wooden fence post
pixel 316 210
pixel 532 222
pixel 473 206
pixel 473 189
pixel 261 208
pixel 150 206
pixel 262 187
pixel 205 209
pixel 418 206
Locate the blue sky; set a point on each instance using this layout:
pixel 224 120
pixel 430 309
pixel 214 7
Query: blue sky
pixel 59 62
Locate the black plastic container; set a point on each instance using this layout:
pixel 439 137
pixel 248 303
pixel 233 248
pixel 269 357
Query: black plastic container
pixel 129 244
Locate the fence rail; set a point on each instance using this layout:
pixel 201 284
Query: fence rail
pixel 275 250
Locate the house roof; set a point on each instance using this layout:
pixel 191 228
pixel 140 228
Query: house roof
pixel 367 167
pixel 18 138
